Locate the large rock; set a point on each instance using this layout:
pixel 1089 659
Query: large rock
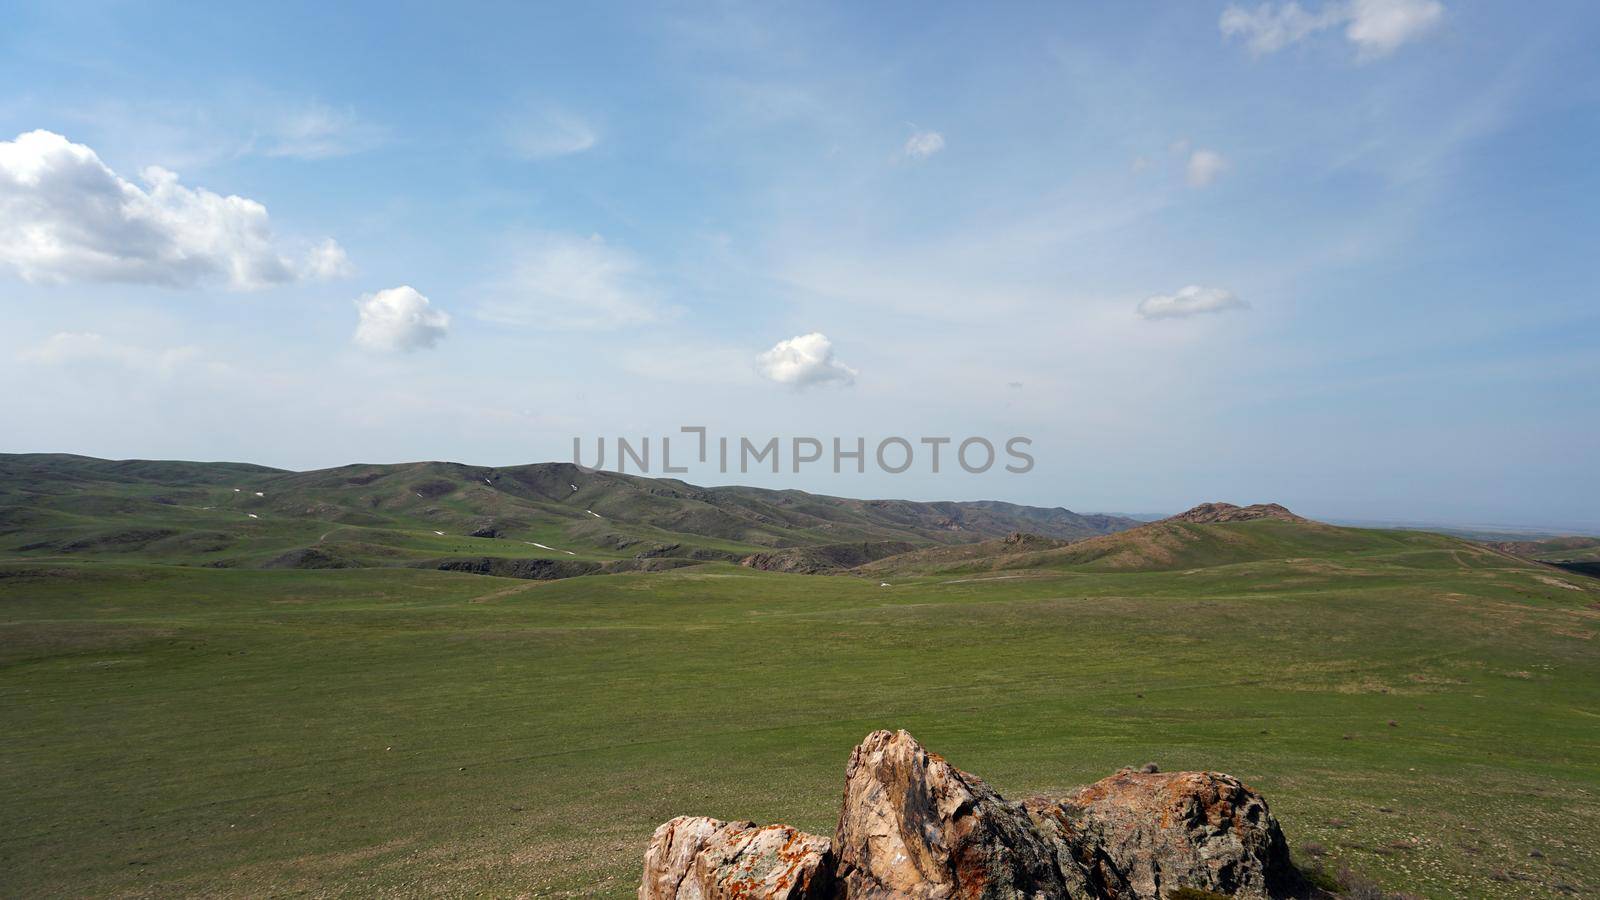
pixel 696 858
pixel 1143 834
pixel 914 826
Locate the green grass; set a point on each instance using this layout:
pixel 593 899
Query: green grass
pixel 168 730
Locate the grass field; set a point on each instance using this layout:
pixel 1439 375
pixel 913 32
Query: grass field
pixel 1428 717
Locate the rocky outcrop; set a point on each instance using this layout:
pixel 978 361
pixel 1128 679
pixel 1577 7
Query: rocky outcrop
pixel 1143 834
pixel 308 558
pixel 1217 513
pixel 913 826
pixel 1024 542
pixel 825 558
pixel 696 858
pixel 547 569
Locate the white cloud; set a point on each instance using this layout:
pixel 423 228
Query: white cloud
pixel 924 144
pixel 803 360
pixel 65 217
pixel 1203 167
pixel 75 348
pixel 328 260
pixel 1376 27
pixel 399 319
pixel 1190 301
pixel 561 281
pixel 548 133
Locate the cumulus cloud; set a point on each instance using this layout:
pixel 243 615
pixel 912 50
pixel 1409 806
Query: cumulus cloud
pixel 75 348
pixel 548 133
pixel 66 217
pixel 924 144
pixel 562 281
pixel 803 360
pixel 1190 301
pixel 1204 167
pixel 399 319
pixel 1376 27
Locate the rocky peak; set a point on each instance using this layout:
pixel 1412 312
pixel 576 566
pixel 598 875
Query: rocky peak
pixel 1216 513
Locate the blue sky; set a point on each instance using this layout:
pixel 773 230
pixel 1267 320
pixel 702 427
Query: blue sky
pixel 1340 255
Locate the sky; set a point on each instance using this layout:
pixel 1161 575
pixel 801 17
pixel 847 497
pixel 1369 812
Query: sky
pixel 1338 254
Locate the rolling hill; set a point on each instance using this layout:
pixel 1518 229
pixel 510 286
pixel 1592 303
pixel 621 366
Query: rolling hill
pixel 1579 554
pixel 1209 535
pixel 454 516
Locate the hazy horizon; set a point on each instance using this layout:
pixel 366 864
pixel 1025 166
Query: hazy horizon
pixel 783 482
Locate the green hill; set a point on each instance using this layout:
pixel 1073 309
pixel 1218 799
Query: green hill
pixel 1182 543
pixel 232 515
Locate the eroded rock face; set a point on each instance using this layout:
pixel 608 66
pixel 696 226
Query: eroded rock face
pixel 697 858
pixel 913 826
pixel 1142 834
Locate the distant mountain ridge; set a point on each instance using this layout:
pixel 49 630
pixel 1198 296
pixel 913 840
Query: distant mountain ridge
pixel 1211 534
pixel 454 515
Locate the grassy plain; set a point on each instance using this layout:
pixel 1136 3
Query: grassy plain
pixel 1427 715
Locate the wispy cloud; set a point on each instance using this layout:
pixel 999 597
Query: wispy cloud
pixel 567 282
pixel 224 127
pixel 1379 27
pixel 1189 301
pixel 549 132
pixel 67 217
pixel 317 131
pixel 1376 27
pixel 1204 167
pixel 77 348
pixel 924 144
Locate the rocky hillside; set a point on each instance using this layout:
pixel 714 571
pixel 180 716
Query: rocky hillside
pixel 914 826
pixel 995 554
